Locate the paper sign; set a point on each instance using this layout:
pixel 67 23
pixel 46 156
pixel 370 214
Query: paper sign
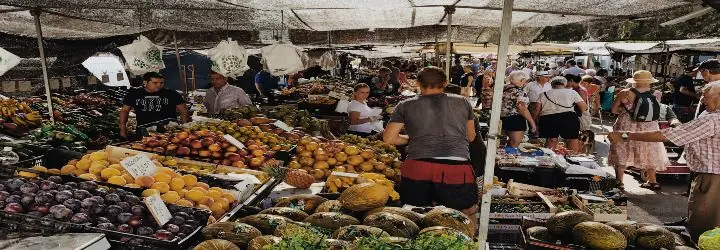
pixel 139 165
pixel 24 86
pixel 54 83
pixel 8 86
pixel 92 80
pixel 282 125
pixel 246 186
pixel 234 141
pixel 158 209
pixel 343 174
pixel 66 82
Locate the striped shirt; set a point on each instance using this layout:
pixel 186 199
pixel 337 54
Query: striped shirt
pixel 701 138
pixel 228 97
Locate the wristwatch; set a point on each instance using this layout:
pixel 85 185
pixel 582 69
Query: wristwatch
pixel 625 136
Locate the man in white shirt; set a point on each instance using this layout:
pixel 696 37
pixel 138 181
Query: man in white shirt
pixel 536 88
pixel 224 96
pixel 573 69
pixel 529 69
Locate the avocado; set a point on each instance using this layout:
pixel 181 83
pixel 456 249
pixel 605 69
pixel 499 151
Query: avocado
pixel 596 235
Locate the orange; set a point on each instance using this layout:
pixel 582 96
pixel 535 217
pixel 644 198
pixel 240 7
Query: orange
pixel 149 192
pixel 200 189
pixel 185 203
pixel 165 170
pixel 128 178
pixel 67 169
pixel 194 195
pixel 85 157
pixel 214 194
pixel 217 209
pixel 109 172
pixel 225 203
pixel 117 180
pixel 40 168
pixel 217 189
pixel 162 177
pixel 206 200
pixel 202 185
pixel 89 177
pixel 161 186
pixel 54 171
pixel 170 197
pixel 177 184
pixel 98 156
pixel 117 166
pixel 96 169
pixel 104 163
pixel 229 197
pixel 182 192
pixel 190 180
pixel 145 181
pixel 83 164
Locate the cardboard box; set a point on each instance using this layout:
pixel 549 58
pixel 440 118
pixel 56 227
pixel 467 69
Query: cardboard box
pixel 601 217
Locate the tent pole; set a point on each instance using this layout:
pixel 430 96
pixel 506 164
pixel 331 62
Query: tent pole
pixel 180 69
pixel 36 14
pixel 449 10
pixel 493 135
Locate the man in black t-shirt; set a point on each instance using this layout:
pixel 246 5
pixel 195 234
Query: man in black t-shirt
pixel 684 95
pixel 153 105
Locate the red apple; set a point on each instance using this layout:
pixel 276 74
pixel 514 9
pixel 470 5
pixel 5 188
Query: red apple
pixel 215 147
pixel 231 149
pixel 207 142
pixel 183 135
pixel 217 154
pixel 205 153
pixel 183 151
pixel 196 144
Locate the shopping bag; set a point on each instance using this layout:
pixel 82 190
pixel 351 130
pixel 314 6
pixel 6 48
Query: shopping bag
pixel 142 56
pixel 7 61
pixel 228 58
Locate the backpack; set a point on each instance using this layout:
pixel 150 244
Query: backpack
pixel 646 108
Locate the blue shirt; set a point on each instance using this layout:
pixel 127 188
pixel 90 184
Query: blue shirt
pixel 266 80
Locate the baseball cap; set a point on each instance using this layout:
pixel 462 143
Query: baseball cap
pixel 543 73
pixel 709 64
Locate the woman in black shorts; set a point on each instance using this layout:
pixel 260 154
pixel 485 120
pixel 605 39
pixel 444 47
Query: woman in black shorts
pixel 558 115
pixel 514 112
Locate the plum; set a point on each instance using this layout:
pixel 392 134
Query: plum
pixel 145 231
pixel 44 198
pixel 124 217
pixel 27 200
pixel 53 192
pixel 63 187
pixel 2 187
pixel 14 184
pixel 137 210
pixel 172 228
pixel 85 211
pixel 113 210
pixel 87 185
pixel 29 188
pixel 187 229
pixel 13 199
pixel 191 222
pixel 132 199
pixel 64 195
pixel 13 208
pixel 62 214
pixel 102 192
pixel 98 210
pixel 186 210
pixel 200 214
pixel 55 179
pixel 136 221
pixel 103 220
pixel 47 185
pixel 4 195
pixel 125 206
pixel 112 199
pixel 99 200
pixel 163 235
pixel 88 203
pixel 125 228
pixel 44 209
pixel 184 215
pixel 106 226
pixel 73 204
pixel 56 208
pixel 80 218
pixel 73 185
pixel 177 220
pixel 81 194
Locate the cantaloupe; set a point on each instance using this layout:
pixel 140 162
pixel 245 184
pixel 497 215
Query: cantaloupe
pixel 393 224
pixel 448 217
pixel 353 232
pixel 237 233
pixel 409 214
pixel 331 220
pixel 216 244
pixel 261 241
pixel 287 212
pixel 266 223
pixel 305 202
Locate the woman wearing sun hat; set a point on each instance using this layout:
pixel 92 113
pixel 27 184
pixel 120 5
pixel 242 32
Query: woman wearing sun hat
pixel 649 156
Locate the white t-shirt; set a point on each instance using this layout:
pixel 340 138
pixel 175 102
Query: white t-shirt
pixel 561 97
pixel 535 90
pixel 528 71
pixel 365 112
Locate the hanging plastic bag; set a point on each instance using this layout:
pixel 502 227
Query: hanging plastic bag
pixel 229 58
pixel 282 59
pixel 7 61
pixel 327 61
pixel 142 56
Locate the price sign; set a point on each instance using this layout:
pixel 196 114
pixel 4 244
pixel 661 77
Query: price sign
pixel 343 174
pixel 158 209
pixel 24 86
pixel 234 141
pixel 66 82
pixel 92 80
pixel 139 165
pixel 8 86
pixel 54 83
pixel 282 125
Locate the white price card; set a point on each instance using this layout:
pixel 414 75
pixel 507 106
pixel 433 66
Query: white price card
pixel 8 86
pixel 234 141
pixel 343 174
pixel 54 83
pixel 24 86
pixel 92 80
pixel 67 82
pixel 158 209
pixel 282 125
pixel 139 165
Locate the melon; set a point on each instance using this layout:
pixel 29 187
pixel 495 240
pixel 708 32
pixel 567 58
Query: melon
pixel 413 216
pixel 287 212
pixel 305 202
pixel 539 233
pixel 216 244
pixel 353 232
pixel 654 237
pixel 364 197
pixel 261 241
pixel 448 217
pixel 237 233
pixel 562 224
pixel 440 230
pixel 266 223
pixel 331 220
pixel 334 244
pixel 626 228
pixel 330 206
pixel 393 224
pixel 596 235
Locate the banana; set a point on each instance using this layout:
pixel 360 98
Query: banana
pixel 19 121
pixel 33 116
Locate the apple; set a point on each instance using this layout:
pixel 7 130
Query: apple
pixel 196 144
pixel 152 143
pixel 171 147
pixel 256 162
pixel 175 140
pixel 207 142
pixel 239 164
pixel 215 147
pixel 193 137
pixel 232 149
pixel 183 135
pixel 159 150
pixel 162 143
pixel 226 162
pixel 243 152
pixel 194 152
pixel 217 155
pixel 183 150
pixel 225 145
pixel 233 157
pixel 258 153
pixel 185 142
pixel 204 153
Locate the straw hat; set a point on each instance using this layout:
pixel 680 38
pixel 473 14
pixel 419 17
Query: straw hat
pixel 642 76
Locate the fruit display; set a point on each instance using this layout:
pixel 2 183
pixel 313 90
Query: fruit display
pixel 378 146
pixel 604 208
pixel 336 184
pixel 519 208
pixel 244 112
pixel 98 207
pixel 564 207
pixel 364 197
pixel 611 235
pixel 16 114
pixel 301 119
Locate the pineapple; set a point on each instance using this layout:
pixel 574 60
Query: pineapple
pixel 294 177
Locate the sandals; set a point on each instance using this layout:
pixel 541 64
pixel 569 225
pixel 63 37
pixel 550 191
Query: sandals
pixel 620 185
pixel 651 186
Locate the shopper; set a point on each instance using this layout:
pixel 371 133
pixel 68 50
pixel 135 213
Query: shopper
pixel 572 69
pixel 466 81
pixel 381 84
pixel 514 65
pixel 223 96
pixel 477 68
pixel 486 92
pixel 361 118
pixel 456 72
pixel 529 69
pixel 701 139
pixel 265 84
pixel 439 127
pixel 574 84
pixel 394 77
pixel 557 115
pixel 514 111
pixel 537 88
pixel 649 156
pixel 153 105
pixel 593 92
pixel 684 95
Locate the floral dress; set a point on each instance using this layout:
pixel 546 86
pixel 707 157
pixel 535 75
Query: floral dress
pixel 511 96
pixel 637 154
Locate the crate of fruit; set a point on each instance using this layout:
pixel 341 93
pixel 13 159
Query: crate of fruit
pixel 516 208
pixel 601 211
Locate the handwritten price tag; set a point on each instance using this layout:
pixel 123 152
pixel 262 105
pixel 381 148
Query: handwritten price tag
pixel 158 209
pixel 24 86
pixel 8 86
pixel 282 125
pixel 54 83
pixel 343 174
pixel 92 80
pixel 234 141
pixel 66 82
pixel 139 165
